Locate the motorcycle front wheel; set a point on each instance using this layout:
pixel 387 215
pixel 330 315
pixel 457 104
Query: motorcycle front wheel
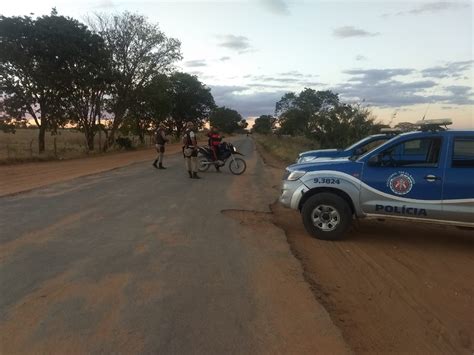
pixel 203 164
pixel 237 166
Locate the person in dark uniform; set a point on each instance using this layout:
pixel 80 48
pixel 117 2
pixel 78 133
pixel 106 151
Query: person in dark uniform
pixel 160 141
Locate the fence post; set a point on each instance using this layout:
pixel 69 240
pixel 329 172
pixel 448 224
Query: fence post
pixel 55 148
pixel 31 148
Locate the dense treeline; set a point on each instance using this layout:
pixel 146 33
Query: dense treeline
pixel 116 74
pixel 319 115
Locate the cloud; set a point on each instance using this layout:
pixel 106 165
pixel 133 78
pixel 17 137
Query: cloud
pixel 360 58
pixel 224 90
pixel 453 69
pixel 278 7
pixel 290 78
pixel 376 75
pixel 104 5
pixel 223 59
pixel 311 83
pixel 266 86
pixel 351 31
pixel 238 43
pixel 247 104
pixel 196 63
pixel 398 88
pixel 294 73
pixel 378 87
pixel 196 73
pixel 432 7
pixel 459 89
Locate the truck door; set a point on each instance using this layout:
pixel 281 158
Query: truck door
pixel 405 179
pixel 458 189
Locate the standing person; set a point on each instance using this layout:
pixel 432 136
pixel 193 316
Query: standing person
pixel 190 150
pixel 160 141
pixel 214 141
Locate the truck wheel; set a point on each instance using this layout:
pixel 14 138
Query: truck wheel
pixel 326 216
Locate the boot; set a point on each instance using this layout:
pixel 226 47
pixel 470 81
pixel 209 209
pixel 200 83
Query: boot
pixel 195 176
pixel 218 170
pixel 190 174
pixel 154 164
pixel 160 166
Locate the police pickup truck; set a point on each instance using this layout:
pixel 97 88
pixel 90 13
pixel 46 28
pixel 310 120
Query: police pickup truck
pixel 426 175
pixel 356 149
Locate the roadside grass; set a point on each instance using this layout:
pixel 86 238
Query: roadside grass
pixel 22 146
pixel 285 148
pixel 67 144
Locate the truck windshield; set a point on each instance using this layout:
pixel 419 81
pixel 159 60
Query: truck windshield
pixel 362 141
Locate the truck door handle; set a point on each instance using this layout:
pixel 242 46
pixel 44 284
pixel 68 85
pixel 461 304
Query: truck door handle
pixel 431 178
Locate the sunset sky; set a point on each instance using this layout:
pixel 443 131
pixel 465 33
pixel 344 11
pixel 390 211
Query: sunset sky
pixel 402 59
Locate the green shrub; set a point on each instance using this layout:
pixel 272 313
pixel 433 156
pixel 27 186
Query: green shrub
pixel 124 143
pixel 284 147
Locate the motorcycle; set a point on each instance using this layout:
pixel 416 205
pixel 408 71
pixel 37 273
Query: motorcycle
pixel 227 151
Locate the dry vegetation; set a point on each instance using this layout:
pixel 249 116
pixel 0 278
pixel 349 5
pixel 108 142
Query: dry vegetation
pixel 285 148
pixel 68 143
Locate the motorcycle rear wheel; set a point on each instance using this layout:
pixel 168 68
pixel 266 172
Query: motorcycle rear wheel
pixel 202 164
pixel 237 166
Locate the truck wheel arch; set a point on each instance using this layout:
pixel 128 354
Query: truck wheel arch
pixel 318 190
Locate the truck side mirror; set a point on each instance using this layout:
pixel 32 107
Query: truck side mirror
pixel 374 160
pixel 359 151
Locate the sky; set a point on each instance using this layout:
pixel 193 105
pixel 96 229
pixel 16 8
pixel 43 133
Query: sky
pixel 404 60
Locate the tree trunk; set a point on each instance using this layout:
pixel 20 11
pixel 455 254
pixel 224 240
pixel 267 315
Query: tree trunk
pixel 41 140
pixel 90 141
pixel 141 136
pixel 111 138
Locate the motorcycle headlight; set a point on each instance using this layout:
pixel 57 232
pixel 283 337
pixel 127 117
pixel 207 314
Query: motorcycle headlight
pixel 233 148
pixel 295 175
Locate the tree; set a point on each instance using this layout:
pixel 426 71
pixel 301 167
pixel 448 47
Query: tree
pixel 322 116
pixel 89 82
pixel 153 105
pixel 295 112
pixel 342 125
pixel 264 124
pixel 191 101
pixel 225 119
pixel 140 51
pixel 36 58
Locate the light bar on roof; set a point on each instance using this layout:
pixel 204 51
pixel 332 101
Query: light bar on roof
pixel 436 122
pixel 390 130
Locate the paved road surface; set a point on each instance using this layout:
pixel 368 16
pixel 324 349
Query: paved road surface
pixel 137 260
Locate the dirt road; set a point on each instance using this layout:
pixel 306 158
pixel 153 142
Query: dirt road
pixel 137 260
pixel 24 177
pixel 391 286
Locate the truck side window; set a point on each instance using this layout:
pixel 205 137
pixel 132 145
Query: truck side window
pixel 463 153
pixel 422 152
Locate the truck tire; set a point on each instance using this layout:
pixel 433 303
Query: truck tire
pixel 326 216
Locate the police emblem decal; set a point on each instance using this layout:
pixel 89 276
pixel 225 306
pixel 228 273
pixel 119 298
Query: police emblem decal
pixel 400 183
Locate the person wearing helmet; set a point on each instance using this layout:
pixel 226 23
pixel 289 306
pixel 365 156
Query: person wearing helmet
pixel 160 141
pixel 190 150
